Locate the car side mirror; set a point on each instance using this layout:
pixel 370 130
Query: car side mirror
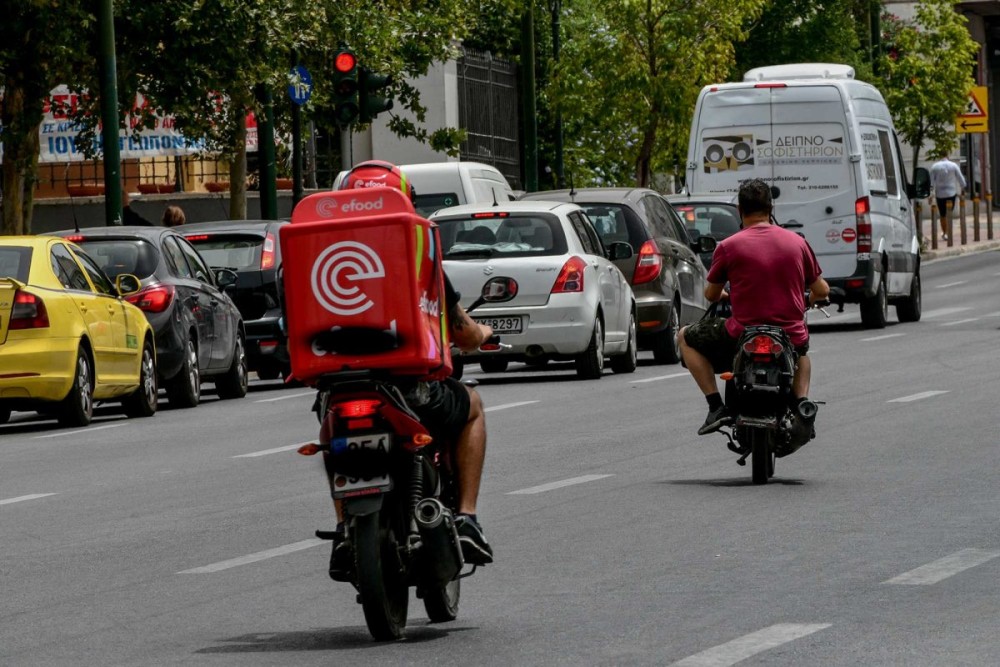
pixel 620 250
pixel 127 284
pixel 705 244
pixel 921 186
pixel 225 278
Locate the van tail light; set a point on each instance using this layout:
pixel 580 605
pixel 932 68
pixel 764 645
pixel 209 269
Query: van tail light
pixel 648 264
pixel 863 223
pixel 762 348
pixel 153 299
pixel 570 278
pixel 267 255
pixel 28 312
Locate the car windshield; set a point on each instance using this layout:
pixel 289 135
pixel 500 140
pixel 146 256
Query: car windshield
pixel 14 263
pixel 229 251
pixel 709 219
pixel 501 235
pixel 118 256
pixel 428 204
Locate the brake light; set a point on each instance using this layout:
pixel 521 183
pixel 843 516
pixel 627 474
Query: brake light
pixel 491 214
pixel 863 223
pixel 194 238
pixel 267 255
pixel 28 312
pixel 570 278
pixel 360 408
pixel 154 299
pixel 75 238
pixel 763 346
pixel 648 264
pixel 771 85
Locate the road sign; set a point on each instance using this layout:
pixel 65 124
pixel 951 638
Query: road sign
pixel 975 117
pixel 300 85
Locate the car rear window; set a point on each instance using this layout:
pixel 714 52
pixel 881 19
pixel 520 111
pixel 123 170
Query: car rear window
pixel 429 203
pixel 614 224
pixel 117 256
pixel 230 251
pixel 716 220
pixel 507 236
pixel 14 263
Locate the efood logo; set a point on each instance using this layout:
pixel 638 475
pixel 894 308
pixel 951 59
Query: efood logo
pixel 326 207
pixel 354 205
pixel 336 272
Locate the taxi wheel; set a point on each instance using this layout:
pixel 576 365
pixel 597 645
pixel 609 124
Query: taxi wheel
pixel 77 408
pixel 143 401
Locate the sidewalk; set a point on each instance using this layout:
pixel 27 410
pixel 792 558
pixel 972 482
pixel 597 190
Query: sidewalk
pixel 957 247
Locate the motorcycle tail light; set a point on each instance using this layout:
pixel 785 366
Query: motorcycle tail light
pixel 762 346
pixel 360 408
pixel 355 424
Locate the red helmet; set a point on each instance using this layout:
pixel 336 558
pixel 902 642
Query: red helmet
pixel 376 173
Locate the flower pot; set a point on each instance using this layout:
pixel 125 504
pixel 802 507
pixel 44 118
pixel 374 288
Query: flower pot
pixel 156 188
pixel 91 190
pixel 284 183
pixel 217 186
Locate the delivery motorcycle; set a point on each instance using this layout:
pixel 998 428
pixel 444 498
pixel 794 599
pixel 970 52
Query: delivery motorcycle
pixel 767 424
pixel 398 490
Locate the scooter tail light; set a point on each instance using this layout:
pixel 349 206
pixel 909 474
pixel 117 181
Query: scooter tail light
pixel 762 345
pixel 365 407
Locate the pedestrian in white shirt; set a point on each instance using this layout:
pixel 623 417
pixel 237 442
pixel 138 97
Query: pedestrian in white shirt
pixel 948 183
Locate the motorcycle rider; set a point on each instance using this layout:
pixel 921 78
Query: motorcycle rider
pixel 451 410
pixel 767 268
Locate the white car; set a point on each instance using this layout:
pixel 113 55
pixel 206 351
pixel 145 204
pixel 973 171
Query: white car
pixel 572 302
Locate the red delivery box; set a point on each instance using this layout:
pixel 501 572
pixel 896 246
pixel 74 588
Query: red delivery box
pixel 363 287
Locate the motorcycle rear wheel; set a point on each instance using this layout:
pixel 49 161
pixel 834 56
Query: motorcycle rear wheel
pixel 441 602
pixel 762 455
pixel 384 594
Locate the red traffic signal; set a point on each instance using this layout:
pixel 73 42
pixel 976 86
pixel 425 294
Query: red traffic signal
pixel 345 62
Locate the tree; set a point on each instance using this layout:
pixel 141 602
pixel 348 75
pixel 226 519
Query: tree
pixel 927 73
pixel 629 75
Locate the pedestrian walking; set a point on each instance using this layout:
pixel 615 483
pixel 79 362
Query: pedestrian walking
pixel 948 183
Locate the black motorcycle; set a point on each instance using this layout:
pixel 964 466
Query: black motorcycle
pixel 398 491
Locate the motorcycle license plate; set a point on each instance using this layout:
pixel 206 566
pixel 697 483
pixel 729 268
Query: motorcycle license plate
pixel 345 486
pixel 503 325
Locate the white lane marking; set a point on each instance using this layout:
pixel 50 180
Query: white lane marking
pixel 253 558
pixel 874 338
pixel 542 488
pixel 89 429
pixel 954 284
pixel 507 406
pixel 940 312
pixel 943 568
pixel 265 452
pixel 21 499
pixel 661 377
pixel 749 645
pixel 285 398
pixel 918 397
pixel 957 322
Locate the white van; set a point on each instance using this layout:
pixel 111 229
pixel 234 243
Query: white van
pixel 826 144
pixel 439 185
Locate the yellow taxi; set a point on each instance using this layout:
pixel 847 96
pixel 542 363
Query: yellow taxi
pixel 68 338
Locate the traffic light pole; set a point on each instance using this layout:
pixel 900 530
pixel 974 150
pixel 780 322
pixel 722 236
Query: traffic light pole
pixel 111 154
pixel 345 148
pixel 530 117
pixel 266 168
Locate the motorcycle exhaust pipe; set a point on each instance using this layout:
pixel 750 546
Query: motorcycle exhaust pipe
pixel 441 553
pixel 807 410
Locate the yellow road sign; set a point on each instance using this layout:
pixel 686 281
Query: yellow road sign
pixel 975 117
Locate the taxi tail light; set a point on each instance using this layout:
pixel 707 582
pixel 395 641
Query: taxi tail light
pixel 28 312
pixel 154 299
pixel 365 407
pixel 648 264
pixel 863 223
pixel 570 278
pixel 267 255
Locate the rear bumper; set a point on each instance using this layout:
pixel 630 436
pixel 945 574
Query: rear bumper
pixel 562 328
pixel 265 343
pixel 653 313
pixel 855 288
pixel 36 369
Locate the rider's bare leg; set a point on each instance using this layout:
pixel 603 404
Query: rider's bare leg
pixel 803 373
pixel 699 365
pixel 470 453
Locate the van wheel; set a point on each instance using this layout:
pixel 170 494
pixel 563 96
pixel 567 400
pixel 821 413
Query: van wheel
pixel 909 309
pixel 666 348
pixel 875 310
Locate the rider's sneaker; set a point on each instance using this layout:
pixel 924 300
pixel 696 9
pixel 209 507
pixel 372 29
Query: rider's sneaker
pixel 715 420
pixel 475 549
pixel 341 559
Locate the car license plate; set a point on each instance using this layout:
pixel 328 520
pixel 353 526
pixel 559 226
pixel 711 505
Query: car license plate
pixel 503 325
pixel 345 486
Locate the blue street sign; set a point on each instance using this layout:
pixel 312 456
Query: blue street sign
pixel 300 85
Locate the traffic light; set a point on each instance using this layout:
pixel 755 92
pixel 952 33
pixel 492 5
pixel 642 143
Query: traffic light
pixel 345 86
pixel 369 83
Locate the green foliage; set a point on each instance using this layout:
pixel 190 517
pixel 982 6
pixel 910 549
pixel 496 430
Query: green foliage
pixel 927 73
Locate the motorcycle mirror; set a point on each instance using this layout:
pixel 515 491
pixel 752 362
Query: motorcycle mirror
pixel 499 290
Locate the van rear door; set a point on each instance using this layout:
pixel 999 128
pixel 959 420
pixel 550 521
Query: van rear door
pixel 732 124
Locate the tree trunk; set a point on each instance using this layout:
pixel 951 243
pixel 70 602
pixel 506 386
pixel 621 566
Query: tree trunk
pixel 643 163
pixel 238 169
pixel 20 159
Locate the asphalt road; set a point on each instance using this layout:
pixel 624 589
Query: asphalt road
pixel 621 536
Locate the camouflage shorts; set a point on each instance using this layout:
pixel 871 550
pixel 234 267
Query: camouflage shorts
pixel 709 336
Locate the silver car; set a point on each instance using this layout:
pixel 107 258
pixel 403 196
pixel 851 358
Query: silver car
pixel 572 301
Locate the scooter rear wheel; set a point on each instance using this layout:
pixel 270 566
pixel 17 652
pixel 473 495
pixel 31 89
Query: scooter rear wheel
pixel 762 456
pixel 441 602
pixel 384 594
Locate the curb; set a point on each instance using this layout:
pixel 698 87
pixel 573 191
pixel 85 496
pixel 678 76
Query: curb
pixel 957 251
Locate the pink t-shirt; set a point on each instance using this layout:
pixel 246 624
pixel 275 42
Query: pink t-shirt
pixel 768 269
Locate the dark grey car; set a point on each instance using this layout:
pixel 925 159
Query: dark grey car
pixel 707 215
pixel 666 274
